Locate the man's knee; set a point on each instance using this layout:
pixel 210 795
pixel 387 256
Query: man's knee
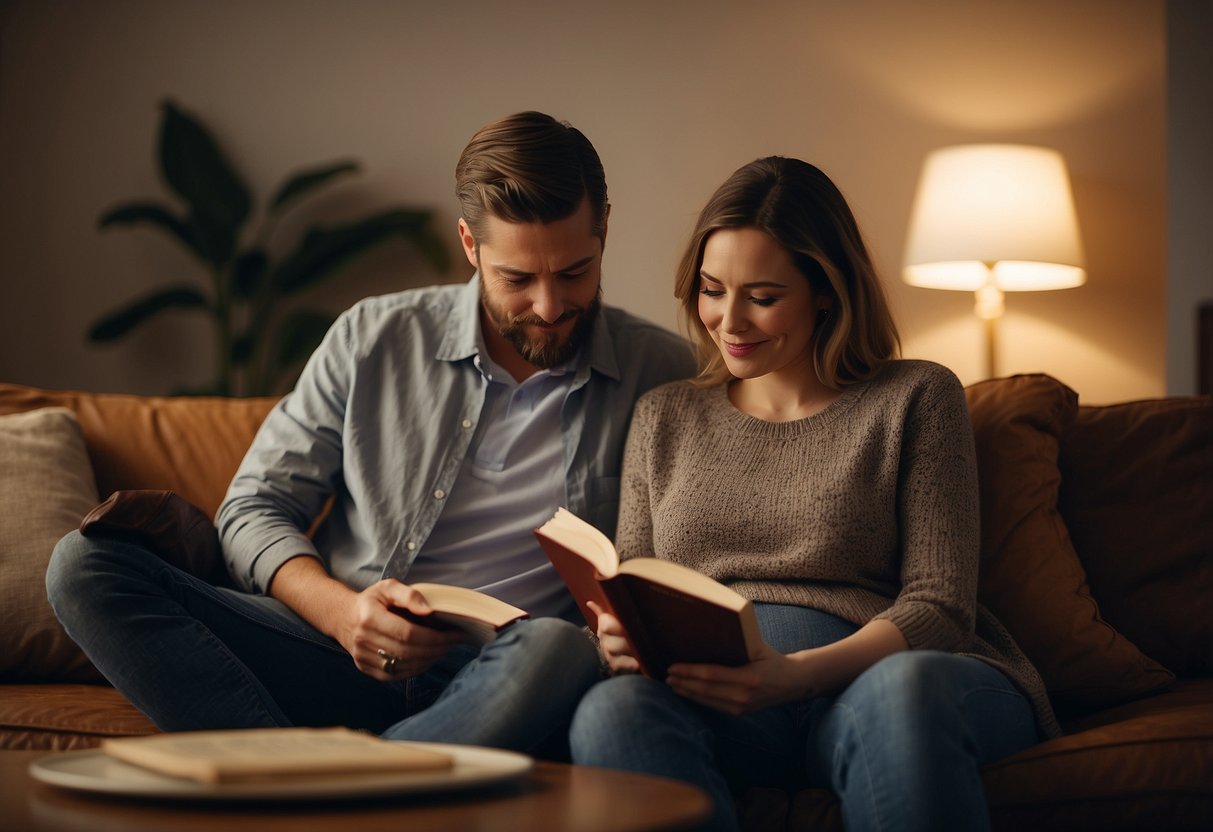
pixel 63 572
pixel 83 572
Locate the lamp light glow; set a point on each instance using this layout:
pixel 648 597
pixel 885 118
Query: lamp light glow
pixel 994 218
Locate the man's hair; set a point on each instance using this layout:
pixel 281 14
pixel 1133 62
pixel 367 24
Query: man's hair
pixel 804 211
pixel 529 168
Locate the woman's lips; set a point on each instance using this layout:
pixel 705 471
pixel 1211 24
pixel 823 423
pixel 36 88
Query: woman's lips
pixel 740 350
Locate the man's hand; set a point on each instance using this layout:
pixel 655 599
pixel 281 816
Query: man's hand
pixel 383 644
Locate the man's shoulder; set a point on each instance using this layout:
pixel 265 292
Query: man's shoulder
pixel 641 344
pixel 418 316
pixel 425 300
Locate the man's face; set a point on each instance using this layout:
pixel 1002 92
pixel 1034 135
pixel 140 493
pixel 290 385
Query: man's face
pixel 540 285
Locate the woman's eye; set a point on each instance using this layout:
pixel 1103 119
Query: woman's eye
pixel 711 293
pixel 763 301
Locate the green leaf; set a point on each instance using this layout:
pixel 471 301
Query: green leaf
pixel 215 242
pixel 249 273
pixel 298 338
pixel 195 169
pixel 135 213
pixel 307 180
pixel 324 251
pixel 433 248
pixel 117 324
pixel 242 348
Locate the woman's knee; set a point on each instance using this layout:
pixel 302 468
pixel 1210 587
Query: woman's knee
pixel 615 706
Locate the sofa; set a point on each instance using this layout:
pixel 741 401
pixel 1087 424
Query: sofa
pixel 1097 554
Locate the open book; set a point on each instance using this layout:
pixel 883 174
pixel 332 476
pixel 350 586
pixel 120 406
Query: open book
pixel 266 753
pixel 671 613
pixel 481 617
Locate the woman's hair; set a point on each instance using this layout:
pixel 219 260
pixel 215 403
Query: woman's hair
pixel 529 167
pixel 802 209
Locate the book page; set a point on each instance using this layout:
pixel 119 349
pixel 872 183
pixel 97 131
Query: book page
pixel 583 539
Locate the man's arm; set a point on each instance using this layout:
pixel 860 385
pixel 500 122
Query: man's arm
pixel 362 622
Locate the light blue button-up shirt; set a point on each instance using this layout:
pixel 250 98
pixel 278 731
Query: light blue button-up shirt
pixel 382 418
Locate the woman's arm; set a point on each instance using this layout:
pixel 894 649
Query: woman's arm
pixel 775 678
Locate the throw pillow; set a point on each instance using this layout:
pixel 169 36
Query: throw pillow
pixel 1136 490
pixel 1030 577
pixel 46 486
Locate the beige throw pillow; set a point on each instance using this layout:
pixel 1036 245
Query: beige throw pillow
pixel 46 487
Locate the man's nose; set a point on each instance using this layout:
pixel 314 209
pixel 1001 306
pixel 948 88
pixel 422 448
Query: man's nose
pixel 548 301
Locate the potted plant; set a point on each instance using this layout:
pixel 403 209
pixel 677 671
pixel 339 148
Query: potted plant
pixel 257 347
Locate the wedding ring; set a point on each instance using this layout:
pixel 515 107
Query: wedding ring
pixel 389 662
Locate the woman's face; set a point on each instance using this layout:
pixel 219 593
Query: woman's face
pixel 756 304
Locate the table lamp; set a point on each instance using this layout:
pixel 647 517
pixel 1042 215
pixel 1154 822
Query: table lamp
pixel 994 218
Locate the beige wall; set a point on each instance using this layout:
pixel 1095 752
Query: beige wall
pixel 674 94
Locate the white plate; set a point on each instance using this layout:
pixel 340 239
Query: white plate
pixel 94 771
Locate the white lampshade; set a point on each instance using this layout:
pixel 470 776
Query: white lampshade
pixel 994 214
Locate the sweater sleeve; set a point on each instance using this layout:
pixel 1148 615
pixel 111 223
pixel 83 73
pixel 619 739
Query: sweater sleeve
pixel 938 517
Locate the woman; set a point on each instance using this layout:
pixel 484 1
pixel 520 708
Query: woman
pixel 836 488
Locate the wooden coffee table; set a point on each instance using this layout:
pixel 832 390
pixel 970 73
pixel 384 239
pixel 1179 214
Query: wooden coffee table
pixel 552 796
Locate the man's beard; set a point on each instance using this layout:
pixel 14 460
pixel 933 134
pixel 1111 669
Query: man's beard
pixel 547 349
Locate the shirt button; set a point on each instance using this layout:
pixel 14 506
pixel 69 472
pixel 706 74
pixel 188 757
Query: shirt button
pixel 411 545
pixel 439 494
pixel 467 423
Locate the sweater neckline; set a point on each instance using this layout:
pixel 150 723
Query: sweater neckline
pixel 727 412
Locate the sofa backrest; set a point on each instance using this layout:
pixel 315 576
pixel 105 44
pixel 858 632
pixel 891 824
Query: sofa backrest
pixel 191 445
pixel 1137 496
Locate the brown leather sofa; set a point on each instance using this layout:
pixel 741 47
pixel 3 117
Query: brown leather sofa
pixel 1097 527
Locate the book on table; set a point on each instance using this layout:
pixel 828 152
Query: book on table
pixel 480 617
pixel 231 756
pixel 671 613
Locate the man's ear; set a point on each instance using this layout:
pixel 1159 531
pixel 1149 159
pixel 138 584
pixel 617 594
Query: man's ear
pixel 469 244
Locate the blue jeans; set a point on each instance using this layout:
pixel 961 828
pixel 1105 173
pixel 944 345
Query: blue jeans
pixel 194 656
pixel 901 746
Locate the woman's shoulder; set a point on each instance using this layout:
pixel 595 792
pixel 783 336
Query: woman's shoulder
pixel 916 371
pixel 914 376
pixel 675 397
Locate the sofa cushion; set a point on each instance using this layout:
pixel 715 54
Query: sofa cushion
pixel 1031 578
pixel 190 445
pixel 62 717
pixel 1137 495
pixel 1148 769
pixel 46 487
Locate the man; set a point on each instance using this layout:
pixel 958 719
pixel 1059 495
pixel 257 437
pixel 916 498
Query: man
pixel 443 424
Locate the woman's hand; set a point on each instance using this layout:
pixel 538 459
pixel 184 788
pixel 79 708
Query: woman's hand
pixel 613 643
pixel 771 678
pixel 384 643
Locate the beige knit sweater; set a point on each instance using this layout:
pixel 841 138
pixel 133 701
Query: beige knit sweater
pixel 866 510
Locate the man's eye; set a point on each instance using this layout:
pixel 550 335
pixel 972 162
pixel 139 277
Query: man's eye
pixel 574 275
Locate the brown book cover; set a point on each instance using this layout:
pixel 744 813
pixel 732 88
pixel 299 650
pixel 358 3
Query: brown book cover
pixel 671 613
